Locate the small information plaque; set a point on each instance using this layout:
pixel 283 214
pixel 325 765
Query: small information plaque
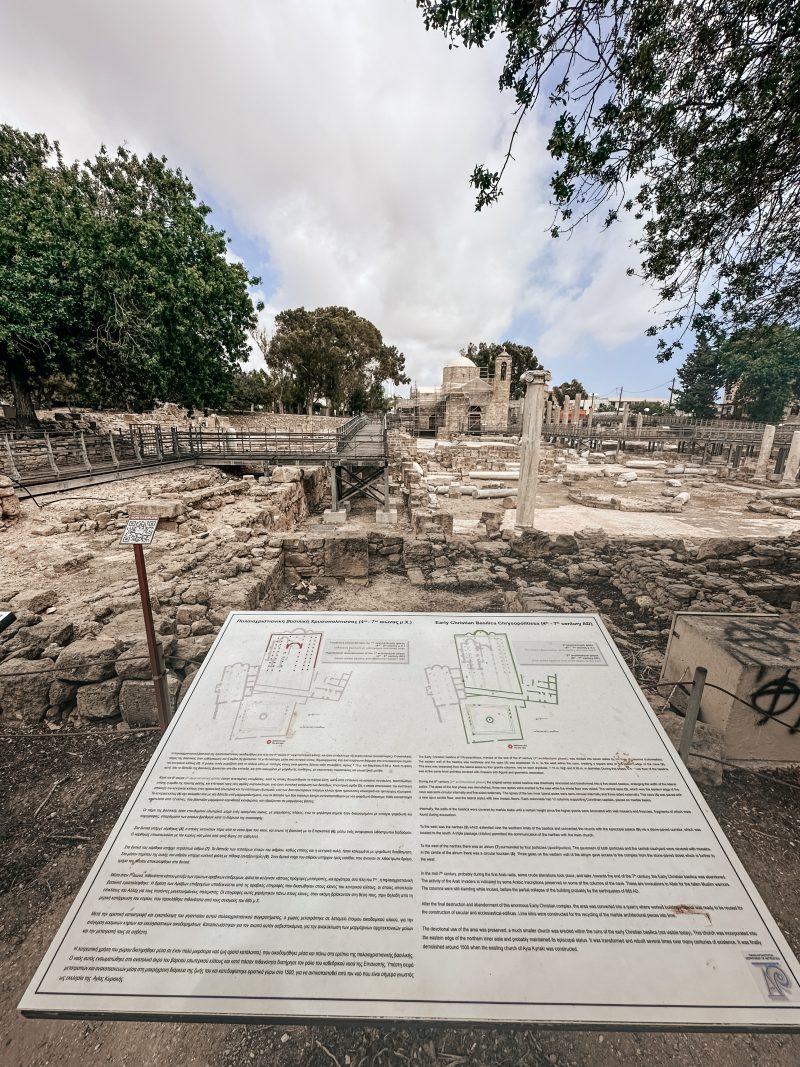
pixel 139 532
pixel 460 818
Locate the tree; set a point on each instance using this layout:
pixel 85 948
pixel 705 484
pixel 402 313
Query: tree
pixel 332 352
pixel 648 407
pixel 568 389
pixel 701 377
pixel 680 112
pixel 169 315
pixel 41 215
pixel 253 388
pixel 111 275
pixel 522 359
pixel 763 366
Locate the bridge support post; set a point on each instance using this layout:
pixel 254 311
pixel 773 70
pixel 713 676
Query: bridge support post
pixel 387 515
pixel 334 514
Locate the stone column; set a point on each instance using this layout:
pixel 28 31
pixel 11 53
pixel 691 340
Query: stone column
pixel 639 425
pixel 578 402
pixel 792 468
pixel 530 445
pixel 625 415
pixel 765 452
pixel 549 413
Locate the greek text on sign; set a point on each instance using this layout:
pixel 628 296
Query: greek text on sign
pixel 439 817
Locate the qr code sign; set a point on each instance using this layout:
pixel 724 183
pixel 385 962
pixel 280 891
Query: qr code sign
pixel 139 531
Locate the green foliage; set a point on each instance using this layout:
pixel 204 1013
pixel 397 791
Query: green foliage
pixel 568 389
pixel 251 388
pixel 654 407
pixel 763 365
pixel 40 254
pixel 701 378
pixel 522 359
pixel 332 352
pixel 682 113
pixel 111 275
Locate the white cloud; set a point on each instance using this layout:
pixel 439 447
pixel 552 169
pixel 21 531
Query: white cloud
pixel 339 136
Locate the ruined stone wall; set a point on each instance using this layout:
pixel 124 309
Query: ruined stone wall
pixel 84 659
pixel 465 457
pixel 166 416
pixel 262 421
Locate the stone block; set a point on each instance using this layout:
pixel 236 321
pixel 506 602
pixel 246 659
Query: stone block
pixel 34 600
pixel 25 688
pixel 10 507
pixel 137 701
pixel 62 693
pixel 287 474
pixel 135 662
pixel 384 517
pixel 99 700
pixel 334 517
pixel 346 557
pixel 156 508
pixel 87 660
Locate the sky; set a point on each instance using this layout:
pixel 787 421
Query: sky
pixel 334 142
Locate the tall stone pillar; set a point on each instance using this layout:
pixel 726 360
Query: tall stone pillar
pixel 548 418
pixel 530 446
pixel 578 402
pixel 639 425
pixel 625 415
pixel 792 468
pixel 765 452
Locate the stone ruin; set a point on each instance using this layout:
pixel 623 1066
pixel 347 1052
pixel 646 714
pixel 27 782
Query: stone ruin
pixel 76 654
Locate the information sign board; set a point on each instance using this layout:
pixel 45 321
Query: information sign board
pixel 437 817
pixel 139 532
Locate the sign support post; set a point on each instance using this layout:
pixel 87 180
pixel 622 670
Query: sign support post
pixel 153 648
pixel 140 532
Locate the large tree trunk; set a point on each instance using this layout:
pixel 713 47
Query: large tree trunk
pixel 21 391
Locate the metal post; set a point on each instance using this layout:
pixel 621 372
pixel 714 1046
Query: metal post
pixel 153 648
pixel 50 457
pixel 84 453
pixel 10 455
pixel 692 711
pixel 334 493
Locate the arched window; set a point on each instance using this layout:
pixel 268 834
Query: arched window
pixel 503 369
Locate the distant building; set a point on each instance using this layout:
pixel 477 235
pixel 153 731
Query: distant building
pixel 732 408
pixel 471 399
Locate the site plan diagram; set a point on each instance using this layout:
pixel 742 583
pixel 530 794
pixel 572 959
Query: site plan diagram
pixel 466 818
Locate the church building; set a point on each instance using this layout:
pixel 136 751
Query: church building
pixel 470 399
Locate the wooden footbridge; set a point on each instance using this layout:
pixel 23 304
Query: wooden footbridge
pixel 49 462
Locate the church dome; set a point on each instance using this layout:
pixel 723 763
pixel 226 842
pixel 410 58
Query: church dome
pixel 460 361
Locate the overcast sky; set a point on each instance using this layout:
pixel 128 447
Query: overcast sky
pixel 334 141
